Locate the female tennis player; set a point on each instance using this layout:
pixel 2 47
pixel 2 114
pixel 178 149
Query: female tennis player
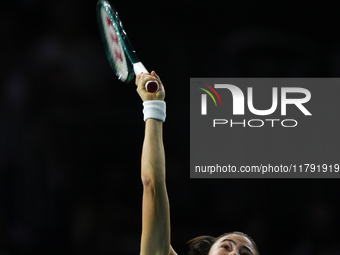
pixel 155 238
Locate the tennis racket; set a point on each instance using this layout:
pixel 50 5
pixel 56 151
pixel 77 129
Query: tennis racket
pixel 122 58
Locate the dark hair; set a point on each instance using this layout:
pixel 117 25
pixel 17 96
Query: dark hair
pixel 201 245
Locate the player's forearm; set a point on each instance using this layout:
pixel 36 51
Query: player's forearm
pixel 153 158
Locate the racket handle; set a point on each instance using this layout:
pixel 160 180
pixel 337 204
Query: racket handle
pixel 150 86
pixel 139 68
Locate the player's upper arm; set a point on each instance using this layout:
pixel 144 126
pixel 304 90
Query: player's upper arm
pixel 172 252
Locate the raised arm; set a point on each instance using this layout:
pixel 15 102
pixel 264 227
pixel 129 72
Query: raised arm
pixel 156 215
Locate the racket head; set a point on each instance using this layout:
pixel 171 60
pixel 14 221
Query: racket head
pixel 118 48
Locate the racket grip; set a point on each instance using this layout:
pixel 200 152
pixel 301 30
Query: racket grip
pixel 139 68
pixel 150 86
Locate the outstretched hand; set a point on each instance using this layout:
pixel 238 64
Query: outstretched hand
pixel 142 79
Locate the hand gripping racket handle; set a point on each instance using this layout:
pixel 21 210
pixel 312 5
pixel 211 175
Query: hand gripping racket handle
pixel 150 86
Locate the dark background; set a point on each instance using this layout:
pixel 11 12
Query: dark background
pixel 71 134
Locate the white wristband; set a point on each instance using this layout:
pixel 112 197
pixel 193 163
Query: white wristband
pixel 154 109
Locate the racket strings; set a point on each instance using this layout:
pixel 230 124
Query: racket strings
pixel 114 46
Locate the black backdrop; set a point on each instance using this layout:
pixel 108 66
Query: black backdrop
pixel 71 134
